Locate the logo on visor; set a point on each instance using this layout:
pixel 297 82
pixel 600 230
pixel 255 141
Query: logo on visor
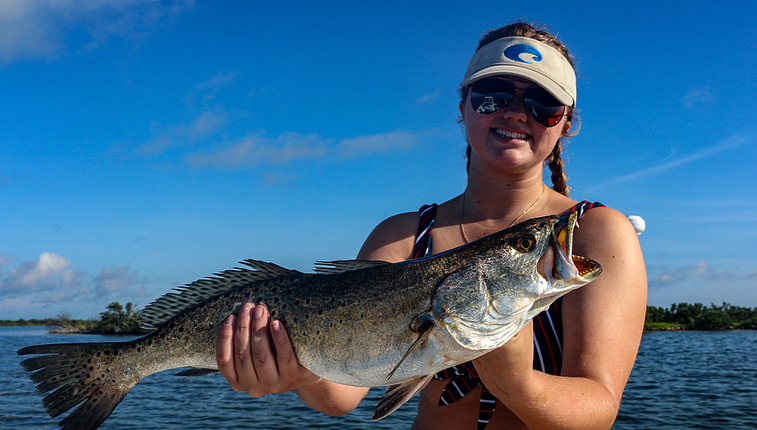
pixel 523 54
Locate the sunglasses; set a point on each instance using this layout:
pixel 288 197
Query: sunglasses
pixel 490 95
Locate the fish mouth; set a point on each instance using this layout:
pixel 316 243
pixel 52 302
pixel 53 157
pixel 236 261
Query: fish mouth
pixel 558 265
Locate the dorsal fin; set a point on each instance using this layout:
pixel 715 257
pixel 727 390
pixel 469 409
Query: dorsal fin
pixel 341 266
pixel 183 298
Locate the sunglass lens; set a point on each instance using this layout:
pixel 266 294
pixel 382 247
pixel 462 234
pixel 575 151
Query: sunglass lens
pixel 490 95
pixel 543 107
pixel 545 115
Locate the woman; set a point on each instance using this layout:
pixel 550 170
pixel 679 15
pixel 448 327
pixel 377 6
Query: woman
pixel 517 103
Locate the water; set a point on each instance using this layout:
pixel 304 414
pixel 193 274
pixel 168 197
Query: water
pixel 682 380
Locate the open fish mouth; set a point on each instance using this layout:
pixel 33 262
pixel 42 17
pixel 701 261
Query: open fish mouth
pixel 559 265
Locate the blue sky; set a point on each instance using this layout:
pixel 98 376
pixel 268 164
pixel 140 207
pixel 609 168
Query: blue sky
pixel 147 143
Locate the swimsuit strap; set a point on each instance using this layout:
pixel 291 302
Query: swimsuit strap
pixel 548 332
pixel 422 245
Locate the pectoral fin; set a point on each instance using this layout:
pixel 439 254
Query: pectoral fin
pixel 422 324
pixel 398 394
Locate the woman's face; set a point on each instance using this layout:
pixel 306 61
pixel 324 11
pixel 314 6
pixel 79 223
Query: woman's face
pixel 509 140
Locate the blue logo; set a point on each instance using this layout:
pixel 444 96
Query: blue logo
pixel 516 52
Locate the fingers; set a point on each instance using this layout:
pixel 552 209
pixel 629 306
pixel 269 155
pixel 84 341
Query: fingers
pixel 225 349
pixel 286 361
pixel 256 356
pixel 243 365
pixel 263 356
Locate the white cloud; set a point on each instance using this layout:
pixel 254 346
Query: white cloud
pixel 206 91
pixel 205 124
pixel 376 143
pixel 114 280
pixel 733 142
pixel 700 283
pixel 49 279
pixel 697 96
pixel 32 29
pixel 37 275
pixel 256 148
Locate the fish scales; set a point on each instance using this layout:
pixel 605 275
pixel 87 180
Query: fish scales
pixel 355 323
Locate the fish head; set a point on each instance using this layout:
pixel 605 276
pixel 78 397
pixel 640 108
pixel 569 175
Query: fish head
pixel 508 278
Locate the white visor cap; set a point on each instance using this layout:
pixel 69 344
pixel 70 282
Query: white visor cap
pixel 529 59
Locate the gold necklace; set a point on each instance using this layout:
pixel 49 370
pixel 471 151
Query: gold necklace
pixel 462 217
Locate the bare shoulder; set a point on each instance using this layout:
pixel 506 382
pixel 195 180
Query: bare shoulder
pixel 392 240
pixel 603 321
pixel 603 229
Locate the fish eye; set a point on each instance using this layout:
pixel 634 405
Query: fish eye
pixel 525 243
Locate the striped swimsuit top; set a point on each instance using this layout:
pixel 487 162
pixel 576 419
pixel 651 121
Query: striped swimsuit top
pixel 548 333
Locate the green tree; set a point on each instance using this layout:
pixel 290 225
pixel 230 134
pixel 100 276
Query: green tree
pixel 117 319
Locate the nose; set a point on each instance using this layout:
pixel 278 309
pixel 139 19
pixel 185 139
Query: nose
pixel 516 108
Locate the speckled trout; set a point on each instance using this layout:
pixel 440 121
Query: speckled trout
pixel 360 323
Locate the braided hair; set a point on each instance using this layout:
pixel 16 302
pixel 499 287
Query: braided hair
pixel 554 160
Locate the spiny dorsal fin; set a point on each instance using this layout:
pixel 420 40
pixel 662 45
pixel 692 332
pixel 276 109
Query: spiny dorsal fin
pixel 341 266
pixel 171 304
pixel 398 394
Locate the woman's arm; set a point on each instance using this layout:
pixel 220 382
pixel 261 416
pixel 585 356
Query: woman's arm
pixel 256 356
pixel 602 326
pixel 247 360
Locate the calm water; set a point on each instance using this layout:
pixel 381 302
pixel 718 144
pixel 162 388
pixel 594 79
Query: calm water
pixel 681 380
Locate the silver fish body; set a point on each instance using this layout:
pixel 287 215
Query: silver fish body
pixel 356 323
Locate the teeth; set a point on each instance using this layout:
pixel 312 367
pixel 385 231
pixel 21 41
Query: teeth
pixel 509 134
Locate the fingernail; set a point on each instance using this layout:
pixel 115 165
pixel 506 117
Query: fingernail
pixel 246 308
pixel 258 313
pixel 229 320
pixel 275 325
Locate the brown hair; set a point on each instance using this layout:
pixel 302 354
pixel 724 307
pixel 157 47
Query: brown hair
pixel 524 29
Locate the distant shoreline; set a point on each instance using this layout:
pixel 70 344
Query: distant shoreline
pixel 67 330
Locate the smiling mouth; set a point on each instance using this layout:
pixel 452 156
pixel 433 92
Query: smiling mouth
pixel 510 134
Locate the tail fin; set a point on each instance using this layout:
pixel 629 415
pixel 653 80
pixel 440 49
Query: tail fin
pixel 84 374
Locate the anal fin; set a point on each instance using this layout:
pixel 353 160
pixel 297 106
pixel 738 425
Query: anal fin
pixel 196 371
pixel 396 395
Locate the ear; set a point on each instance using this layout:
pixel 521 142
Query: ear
pixel 565 130
pixel 461 106
pixel 568 123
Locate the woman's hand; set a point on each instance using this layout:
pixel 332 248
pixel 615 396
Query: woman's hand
pixel 511 365
pixel 256 356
